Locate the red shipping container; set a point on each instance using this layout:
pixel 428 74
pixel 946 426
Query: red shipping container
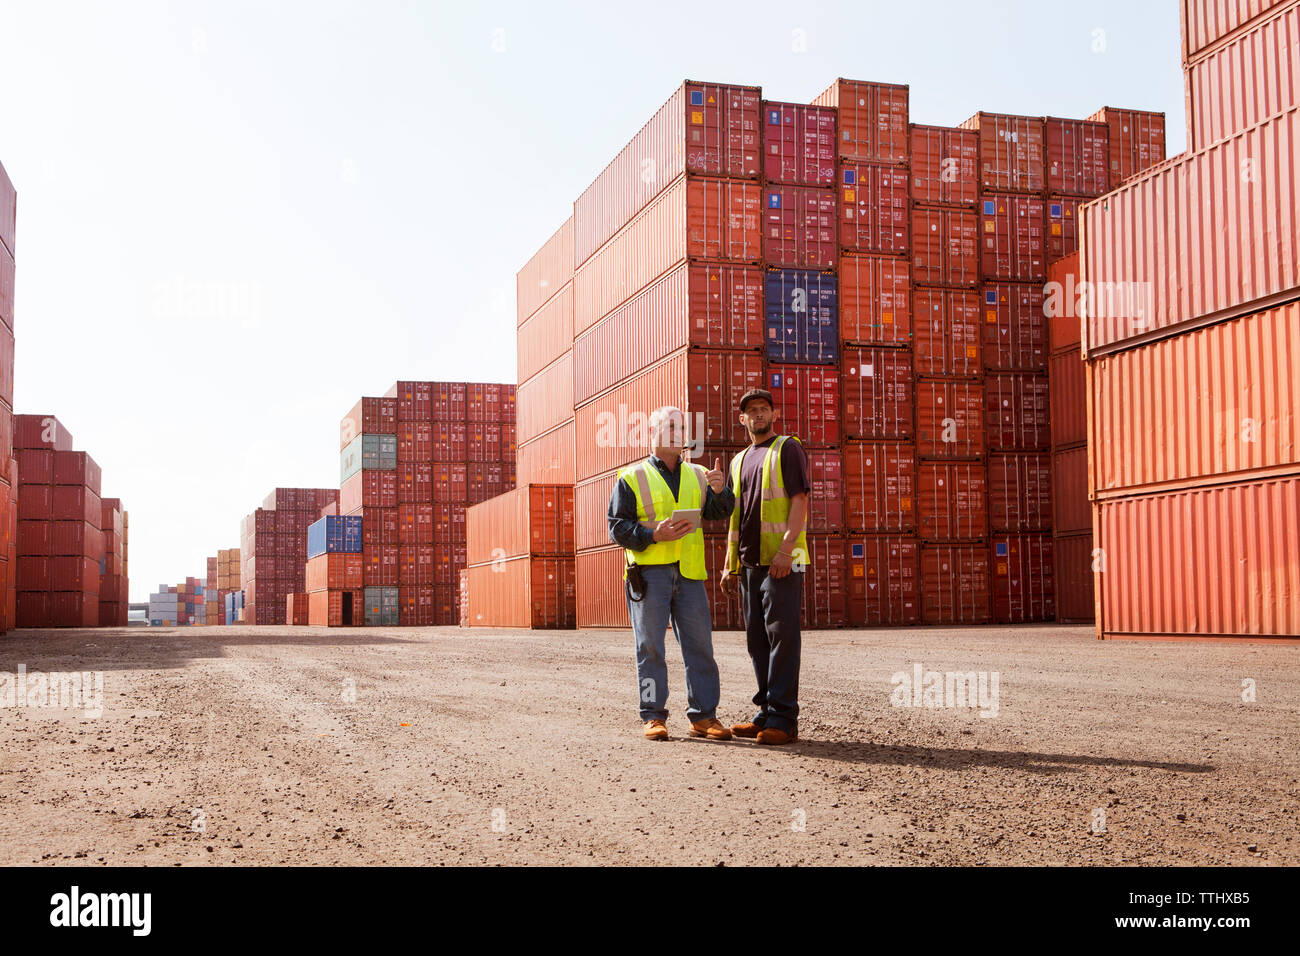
pixel 1061 305
pixel 1071 509
pixel 79 538
pixel 35 465
pixel 1017 411
pixel 483 441
pixel 955 584
pixel 450 441
pixel 74 609
pixel 875 294
pixel 534 592
pixel 448 522
pixel 544 337
pixel 826 499
pixel 880 486
pixel 873 208
pixel 6 357
pixel 414 482
pixel 1068 399
pixel 947 333
pixel 535 519
pixel 945 249
pixel 702 304
pixel 590 506
pixel 379 526
pixel 1078 156
pixel 703 128
pixel 600 597
pixel 547 401
pixel 380 565
pixel 1011 230
pixel 448 562
pixel 807 401
pixel 877 389
pixel 78 574
pixel 446 606
pixel 949 419
pixel 725 609
pixel 884 579
pixel 415 605
pixel 368 489
pixel 1020 492
pixel 7 277
pixel 545 274
pixel 487 402
pixel 34 537
pixel 1015 327
pixel 1137 141
pixel 414 523
pixel 414 442
pixel 1207 23
pixel 952 504
pixel 33 573
pixel 36 502
pixel 337 571
pixel 872 120
pixel 825 587
pixel 336 608
pixel 1011 151
pixel 693 219
pixel 414 402
pixel 1072 570
pixel 370 416
pixel 449 403
pixel 799 227
pixel 484 480
pixel 415 565
pixel 945 166
pixel 1062 227
pixel 33 608
pixel 798 144
pixel 296 610
pixel 41 431
pixel 1023 585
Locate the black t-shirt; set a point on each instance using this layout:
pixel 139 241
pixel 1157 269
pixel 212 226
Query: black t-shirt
pixel 794 471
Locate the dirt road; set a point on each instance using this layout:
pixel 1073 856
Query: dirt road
pixel 244 746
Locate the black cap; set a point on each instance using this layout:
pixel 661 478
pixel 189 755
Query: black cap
pixel 754 393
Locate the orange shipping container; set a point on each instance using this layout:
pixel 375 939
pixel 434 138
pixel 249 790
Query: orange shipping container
pixel 334 572
pixel 1060 304
pixel 944 165
pixel 546 336
pixel 1020 491
pixel 546 459
pixel 336 608
pixel 945 247
pixel 952 500
pixel 1071 510
pixel 545 400
pixel 875 300
pixel 601 600
pixel 536 592
pixel 1015 327
pixel 542 276
pixel 876 389
pixel 949 419
pixel 872 120
pixel 1207 23
pixel 1011 151
pixel 1137 141
pixel 955 584
pixel 947 333
pixel 531 519
pixel 880 486
pixel 1069 399
pixel 1072 570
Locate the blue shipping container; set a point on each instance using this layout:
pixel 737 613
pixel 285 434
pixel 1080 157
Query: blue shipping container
pixel 803 317
pixel 335 534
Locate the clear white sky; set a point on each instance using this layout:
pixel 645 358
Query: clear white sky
pixel 235 218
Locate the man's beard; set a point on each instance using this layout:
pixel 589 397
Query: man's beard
pixel 755 429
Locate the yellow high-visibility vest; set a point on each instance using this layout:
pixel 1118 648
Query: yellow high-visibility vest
pixel 655 502
pixel 774 513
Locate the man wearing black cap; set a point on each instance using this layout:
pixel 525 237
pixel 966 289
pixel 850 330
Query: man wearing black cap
pixel 766 556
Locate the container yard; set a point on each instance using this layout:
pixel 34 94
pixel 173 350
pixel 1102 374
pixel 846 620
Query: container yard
pixel 1031 484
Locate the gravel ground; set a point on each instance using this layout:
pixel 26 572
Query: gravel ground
pixel 232 745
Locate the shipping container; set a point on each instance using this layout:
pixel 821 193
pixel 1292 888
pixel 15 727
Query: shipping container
pixel 799 227
pixel 1220 561
pixel 524 591
pixel 1061 305
pixel 73 503
pixel 542 276
pixel 1024 589
pixel 1208 23
pixel 545 336
pixel 1071 510
pixel 1015 327
pixel 36 465
pixel 1137 141
pixel 947 333
pixel 724 609
pixel 802 316
pixel 879 486
pixel 872 120
pixel 949 419
pixel 8 211
pixel 874 209
pixel 547 459
pixel 955 584
pixel 370 416
pixel 1078 156
pixel 1072 574
pixel 1013 245
pixel 334 571
pixel 1017 411
pixel 945 247
pixel 875 300
pixel 417 606
pixel 1195 240
pixel 878 394
pixel 41 431
pixel 1012 153
pixel 334 608
pixel 1021 492
pixel 704 129
pixel 1062 227
pixel 825 586
pixel 414 442
pixel 712 219
pixel 531 519
pixel 826 495
pixel 798 144
pixel 945 166
pixel 1068 398
pixel 382 606
pixel 599 591
pixel 807 402
pixel 450 439
pixel 1231 389
pixel 952 500
pixel 883 580
pixel 591 509
pixel 7 280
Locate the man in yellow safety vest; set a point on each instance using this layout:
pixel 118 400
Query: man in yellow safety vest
pixel 665 574
pixel 766 555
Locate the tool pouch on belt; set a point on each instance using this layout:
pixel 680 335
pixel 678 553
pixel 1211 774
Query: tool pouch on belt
pixel 635 581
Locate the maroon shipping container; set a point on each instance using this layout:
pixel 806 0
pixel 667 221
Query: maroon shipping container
pixel 414 442
pixel 489 402
pixel 32 608
pixel 33 573
pixel 826 499
pixel 947 333
pixel 945 166
pixel 379 526
pixel 546 336
pixel 414 482
pixel 448 561
pixel 1015 327
pixel 955 584
pixel 949 419
pixel 448 521
pixel 449 441
pixel 449 483
pixel 1023 585
pixel 1071 510
pixel 807 401
pixel 79 538
pixel 8 211
pixel 483 442
pixel 877 389
pixel 1062 227
pixel 548 271
pixel 726 612
pixel 1072 573
pixel 1231 207
pixel 799 227
pixel 450 403
pixel 415 565
pixel 74 609
pixel 952 500
pixel 716 219
pixel 1017 411
pixel 1068 399
pixel 701 304
pixel 1011 151
pixel 6 361
pixel 1020 491
pixel 1137 141
pixel 41 431
pixel 873 208
pixel 7 280
pixel 35 465
pixel 73 503
pixel 945 248
pixel 484 480
pixel 1078 156
pixel 370 416
pixel 380 565
pixel 415 605
pixel 798 144
pixel 875 299
pixel 825 586
pixel 872 120
pixel 34 537
pixel 880 486
pixel 368 489
pixel 414 402
pixel 884 579
pixel 703 128
pixel 80 574
pixel 1012 242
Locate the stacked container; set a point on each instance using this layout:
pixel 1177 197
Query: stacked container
pixel 1192 345
pixel 668 304
pixel 273 550
pixel 335 581
pixel 179 605
pixel 113 589
pixel 8 464
pixel 521 559
pixel 223 578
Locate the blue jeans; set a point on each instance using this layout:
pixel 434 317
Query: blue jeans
pixel 684 602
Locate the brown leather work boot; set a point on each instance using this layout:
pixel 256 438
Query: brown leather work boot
pixel 747 729
pixel 655 730
pixel 770 735
pixel 711 728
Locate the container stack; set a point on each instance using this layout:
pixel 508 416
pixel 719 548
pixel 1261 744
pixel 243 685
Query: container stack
pixel 8 463
pixel 179 605
pixel 113 586
pixel 234 610
pixel 335 594
pixel 521 559
pixel 273 550
pixel 1195 321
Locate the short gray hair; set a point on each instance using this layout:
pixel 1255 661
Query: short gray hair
pixel 662 416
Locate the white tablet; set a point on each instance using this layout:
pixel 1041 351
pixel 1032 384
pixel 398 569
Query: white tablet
pixel 688 514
